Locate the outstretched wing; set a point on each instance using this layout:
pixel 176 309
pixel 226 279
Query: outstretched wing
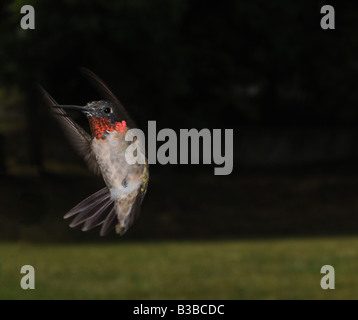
pixel 108 95
pixel 79 138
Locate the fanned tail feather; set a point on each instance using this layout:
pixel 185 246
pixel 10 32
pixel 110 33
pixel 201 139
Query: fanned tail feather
pixel 109 223
pixel 89 201
pixel 96 210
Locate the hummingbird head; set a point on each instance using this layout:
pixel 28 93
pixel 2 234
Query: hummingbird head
pixel 103 117
pixel 95 109
pixel 101 109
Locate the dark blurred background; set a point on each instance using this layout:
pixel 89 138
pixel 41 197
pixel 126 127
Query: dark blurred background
pixel 265 69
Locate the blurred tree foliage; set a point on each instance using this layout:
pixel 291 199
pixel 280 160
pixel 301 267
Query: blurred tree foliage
pixel 191 63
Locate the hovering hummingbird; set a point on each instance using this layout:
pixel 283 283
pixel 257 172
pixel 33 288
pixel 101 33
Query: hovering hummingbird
pixel 117 205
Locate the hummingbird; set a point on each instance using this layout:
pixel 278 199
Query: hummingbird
pixel 117 205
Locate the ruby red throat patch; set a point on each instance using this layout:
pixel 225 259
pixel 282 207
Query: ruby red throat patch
pixel 101 125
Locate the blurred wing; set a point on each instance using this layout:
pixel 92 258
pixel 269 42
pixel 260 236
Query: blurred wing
pixel 78 137
pixel 108 94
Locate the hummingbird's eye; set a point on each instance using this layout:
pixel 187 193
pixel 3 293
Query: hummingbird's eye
pixel 107 110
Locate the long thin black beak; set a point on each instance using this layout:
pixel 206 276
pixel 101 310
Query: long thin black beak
pixel 80 108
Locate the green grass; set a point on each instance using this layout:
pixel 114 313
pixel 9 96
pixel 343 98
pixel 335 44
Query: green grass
pixel 243 269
